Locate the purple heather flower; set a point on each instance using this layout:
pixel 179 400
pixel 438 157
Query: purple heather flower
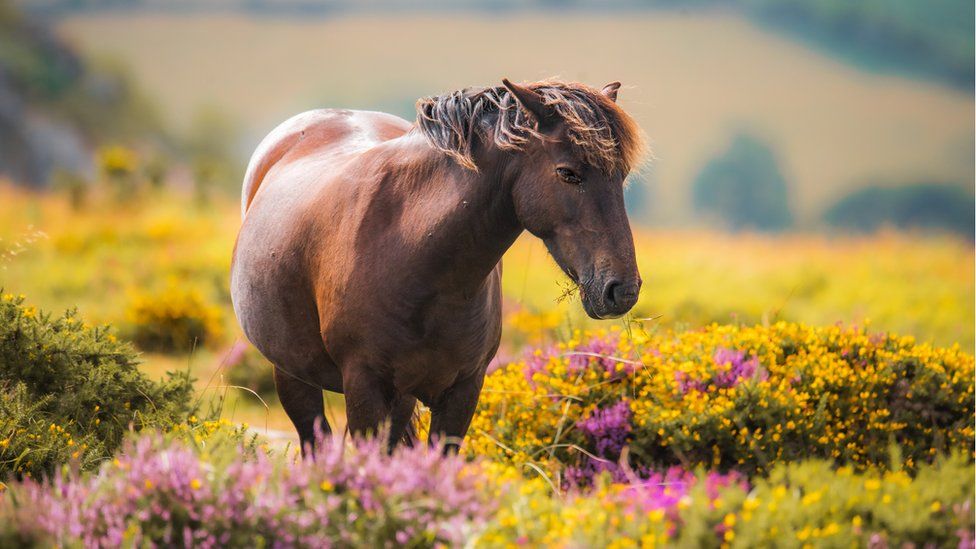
pixel 163 493
pixel 740 369
pixel 602 353
pixel 607 428
pixel 537 361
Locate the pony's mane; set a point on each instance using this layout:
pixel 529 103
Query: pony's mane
pixel 607 136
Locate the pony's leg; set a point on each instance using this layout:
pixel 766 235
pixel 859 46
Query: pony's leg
pixel 451 415
pixel 368 402
pixel 304 405
pixel 402 428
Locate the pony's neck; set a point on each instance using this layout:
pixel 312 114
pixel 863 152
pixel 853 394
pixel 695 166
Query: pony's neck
pixel 472 222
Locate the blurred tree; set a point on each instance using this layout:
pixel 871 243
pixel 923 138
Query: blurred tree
pixel 211 147
pixel 917 206
pixel 118 167
pixel 743 188
pixel 74 185
pixel 156 169
pixel 933 38
pixel 638 196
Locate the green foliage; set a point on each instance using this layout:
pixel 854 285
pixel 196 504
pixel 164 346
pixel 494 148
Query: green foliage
pixel 744 188
pixel 919 206
pixel 812 503
pixel 34 441
pixel 176 319
pixel 33 59
pixel 98 98
pixel 210 147
pixel 72 388
pixel 87 102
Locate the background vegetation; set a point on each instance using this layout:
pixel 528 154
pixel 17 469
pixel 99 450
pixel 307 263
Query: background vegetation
pixel 708 74
pixel 800 372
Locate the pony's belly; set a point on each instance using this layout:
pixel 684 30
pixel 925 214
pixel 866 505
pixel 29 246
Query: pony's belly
pixel 421 354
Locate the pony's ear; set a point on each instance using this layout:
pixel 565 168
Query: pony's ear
pixel 531 101
pixel 610 90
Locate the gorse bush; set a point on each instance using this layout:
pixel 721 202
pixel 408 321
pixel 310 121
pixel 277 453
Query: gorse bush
pixel 726 397
pixel 812 503
pixel 70 388
pixel 175 319
pixel 36 441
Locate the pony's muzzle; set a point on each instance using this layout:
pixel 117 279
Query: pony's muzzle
pixel 619 296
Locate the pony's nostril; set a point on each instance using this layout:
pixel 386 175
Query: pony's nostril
pixel 610 291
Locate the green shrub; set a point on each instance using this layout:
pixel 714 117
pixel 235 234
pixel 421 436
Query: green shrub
pixel 744 187
pixel 173 320
pixel 34 440
pixel 811 503
pixel 71 390
pixel 805 504
pixel 921 206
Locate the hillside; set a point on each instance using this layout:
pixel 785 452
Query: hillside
pixel 700 77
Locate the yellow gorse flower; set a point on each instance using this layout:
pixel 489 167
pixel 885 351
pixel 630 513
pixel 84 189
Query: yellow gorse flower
pixel 810 391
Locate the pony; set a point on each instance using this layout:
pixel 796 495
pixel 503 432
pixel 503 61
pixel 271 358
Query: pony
pixel 368 260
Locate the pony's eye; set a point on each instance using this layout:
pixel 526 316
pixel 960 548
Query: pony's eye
pixel 568 175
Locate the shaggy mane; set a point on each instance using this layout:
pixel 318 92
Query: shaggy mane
pixel 607 136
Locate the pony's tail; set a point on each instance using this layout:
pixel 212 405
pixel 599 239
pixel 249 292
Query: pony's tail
pixel 411 435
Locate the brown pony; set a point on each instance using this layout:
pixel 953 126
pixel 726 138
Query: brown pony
pixel 369 258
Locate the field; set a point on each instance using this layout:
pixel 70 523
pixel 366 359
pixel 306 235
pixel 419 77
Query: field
pixel 805 388
pixel 756 375
pixel 701 77
pixel 758 379
pixel 165 250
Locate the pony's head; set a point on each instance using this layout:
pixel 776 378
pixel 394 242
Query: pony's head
pixel 572 150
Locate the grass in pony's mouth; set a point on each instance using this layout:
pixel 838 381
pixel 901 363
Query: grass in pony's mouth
pixel 569 290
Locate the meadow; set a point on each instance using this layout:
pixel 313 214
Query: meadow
pixel 156 268
pixel 791 390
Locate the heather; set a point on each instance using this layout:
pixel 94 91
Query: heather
pixel 164 492
pixel 161 491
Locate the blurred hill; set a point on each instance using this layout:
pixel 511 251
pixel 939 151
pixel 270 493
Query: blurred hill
pixel 694 81
pixel 838 96
pixel 933 38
